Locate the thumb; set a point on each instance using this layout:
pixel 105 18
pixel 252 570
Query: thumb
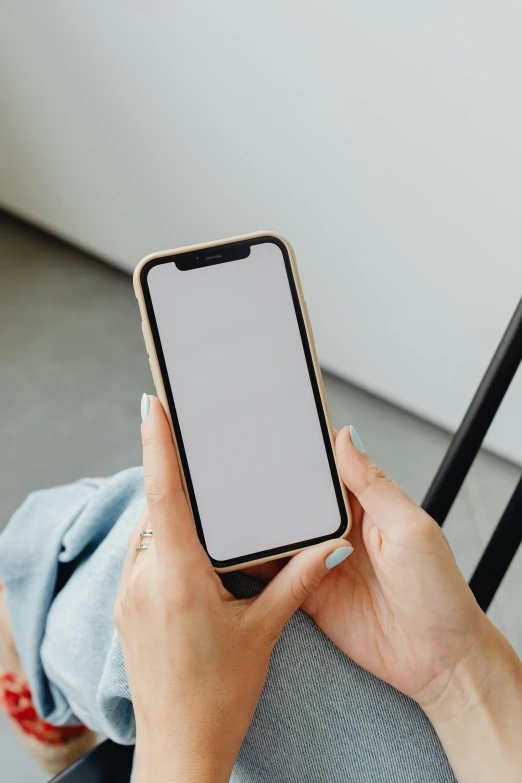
pixel 386 503
pixel 294 583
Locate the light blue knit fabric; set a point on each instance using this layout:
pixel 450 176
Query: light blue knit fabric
pixel 320 717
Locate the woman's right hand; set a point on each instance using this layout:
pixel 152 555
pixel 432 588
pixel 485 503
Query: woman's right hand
pixel 400 608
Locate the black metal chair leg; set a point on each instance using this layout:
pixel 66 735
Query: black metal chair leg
pixel 499 552
pixel 467 440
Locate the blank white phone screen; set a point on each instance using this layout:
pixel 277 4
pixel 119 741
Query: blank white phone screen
pixel 245 403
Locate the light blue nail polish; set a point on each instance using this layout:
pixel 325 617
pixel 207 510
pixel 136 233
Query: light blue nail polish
pixel 338 556
pixel 145 406
pixel 357 442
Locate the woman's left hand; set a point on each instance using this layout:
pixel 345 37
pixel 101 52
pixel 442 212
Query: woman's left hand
pixel 196 657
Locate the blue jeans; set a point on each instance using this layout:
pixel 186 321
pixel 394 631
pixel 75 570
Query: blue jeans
pixel 320 717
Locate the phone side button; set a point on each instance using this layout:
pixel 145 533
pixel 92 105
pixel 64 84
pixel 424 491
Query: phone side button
pixel 307 314
pixel 145 339
pixel 309 323
pixel 152 372
pixel 153 375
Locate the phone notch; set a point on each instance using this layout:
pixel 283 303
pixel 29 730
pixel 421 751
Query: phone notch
pixel 201 258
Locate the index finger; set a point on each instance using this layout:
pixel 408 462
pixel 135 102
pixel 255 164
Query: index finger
pixel 170 518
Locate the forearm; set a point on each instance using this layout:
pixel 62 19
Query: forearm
pixel 482 735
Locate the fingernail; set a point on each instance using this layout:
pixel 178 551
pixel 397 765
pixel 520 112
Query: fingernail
pixel 337 556
pixel 145 406
pixel 357 442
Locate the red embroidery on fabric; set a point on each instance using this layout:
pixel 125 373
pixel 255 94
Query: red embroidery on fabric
pixel 18 702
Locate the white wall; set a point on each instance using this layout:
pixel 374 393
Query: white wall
pixel 384 139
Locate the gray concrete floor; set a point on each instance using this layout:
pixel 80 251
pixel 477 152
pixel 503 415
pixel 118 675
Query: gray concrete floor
pixel 73 369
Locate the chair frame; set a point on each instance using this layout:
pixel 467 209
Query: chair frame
pixel 112 763
pixel 461 453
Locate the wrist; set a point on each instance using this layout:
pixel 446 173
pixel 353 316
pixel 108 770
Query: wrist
pixel 163 759
pixel 478 716
pixel 474 679
pixel 154 768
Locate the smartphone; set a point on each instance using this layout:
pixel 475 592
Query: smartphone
pixel 233 360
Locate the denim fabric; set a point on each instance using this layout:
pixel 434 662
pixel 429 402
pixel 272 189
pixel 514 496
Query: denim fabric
pixel 320 717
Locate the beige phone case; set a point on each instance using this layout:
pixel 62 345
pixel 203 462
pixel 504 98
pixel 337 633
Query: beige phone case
pixel 158 379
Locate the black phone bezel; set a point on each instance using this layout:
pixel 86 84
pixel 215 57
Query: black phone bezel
pixel 199 258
